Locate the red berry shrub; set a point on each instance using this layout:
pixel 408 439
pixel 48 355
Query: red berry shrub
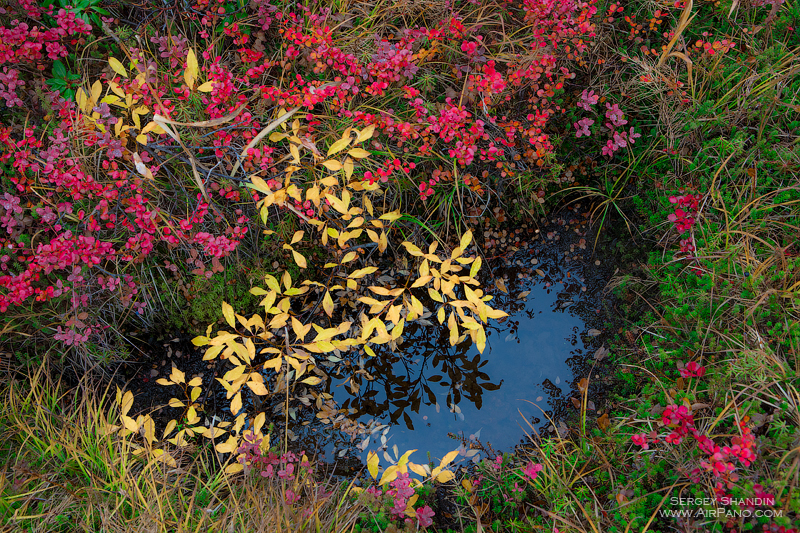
pixel 96 193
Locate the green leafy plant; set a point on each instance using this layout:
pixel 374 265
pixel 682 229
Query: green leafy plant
pixel 63 81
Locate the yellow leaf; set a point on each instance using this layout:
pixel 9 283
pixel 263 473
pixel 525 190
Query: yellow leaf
pixel 130 424
pixel 392 216
pixel 299 259
pixel 236 404
pixel 141 139
pixel 190 74
pixel 152 126
pixel 327 304
pixel 421 281
pixel 332 165
pixel 295 153
pixel 445 476
pixel 110 99
pixel 360 273
pixel 365 134
pixel 228 446
pixel 398 330
pixel 476 266
pixel 258 423
pixel 200 340
pixel 412 249
pixel 234 373
pixel 466 239
pixel 417 469
pixel 170 426
pixel 207 87
pixel 372 464
pixel 410 506
pixel 234 468
pixel 417 306
pixel 313 380
pixel 82 99
pixel 258 388
pixel 389 475
pixel 177 376
pixel 127 403
pixel 358 153
pixel 300 330
pixel 448 458
pixel 97 89
pixel 338 146
pixel 195 394
pixel 164 382
pixel 149 430
pixel 212 352
pixel 274 364
pixel 481 340
pixel 176 403
pixel 227 312
pixel 451 324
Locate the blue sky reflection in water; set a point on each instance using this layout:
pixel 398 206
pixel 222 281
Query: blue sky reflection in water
pixel 428 389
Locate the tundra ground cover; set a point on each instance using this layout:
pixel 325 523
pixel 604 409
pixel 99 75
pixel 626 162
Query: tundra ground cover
pixel 147 152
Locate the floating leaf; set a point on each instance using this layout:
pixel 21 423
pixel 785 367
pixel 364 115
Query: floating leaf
pixel 593 332
pixel 372 464
pixel 500 284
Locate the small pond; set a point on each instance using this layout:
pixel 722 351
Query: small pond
pixel 428 392
pixel 434 397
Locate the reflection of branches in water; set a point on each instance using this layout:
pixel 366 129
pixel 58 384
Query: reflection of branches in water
pixel 402 380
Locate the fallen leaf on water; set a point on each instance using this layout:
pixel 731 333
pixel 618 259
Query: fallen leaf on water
pixel 500 284
pixel 523 294
pixel 540 272
pixel 593 332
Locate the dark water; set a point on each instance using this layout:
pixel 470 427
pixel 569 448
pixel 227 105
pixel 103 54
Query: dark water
pixel 428 392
